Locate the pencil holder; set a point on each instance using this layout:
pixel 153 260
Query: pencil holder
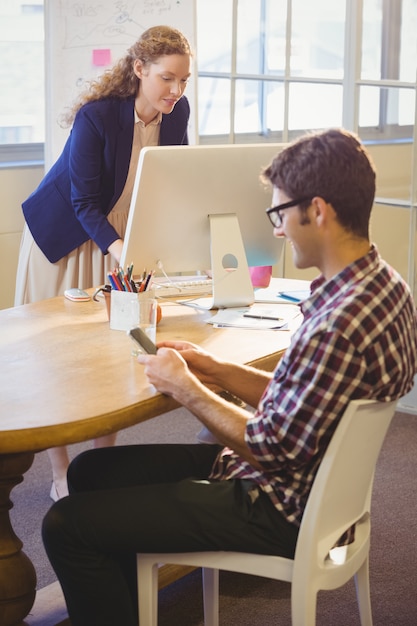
pixel 129 309
pixel 147 317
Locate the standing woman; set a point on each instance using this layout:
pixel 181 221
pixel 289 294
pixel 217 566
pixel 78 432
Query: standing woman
pixel 76 218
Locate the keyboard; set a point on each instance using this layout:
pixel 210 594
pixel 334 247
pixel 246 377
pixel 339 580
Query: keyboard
pixel 182 286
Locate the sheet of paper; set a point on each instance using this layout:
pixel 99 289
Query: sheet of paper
pixel 257 316
pixel 272 294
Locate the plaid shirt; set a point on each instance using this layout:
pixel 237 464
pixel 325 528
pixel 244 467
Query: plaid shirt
pixel 358 340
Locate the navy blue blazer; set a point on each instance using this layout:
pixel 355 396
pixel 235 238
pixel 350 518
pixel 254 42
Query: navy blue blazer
pixel 70 204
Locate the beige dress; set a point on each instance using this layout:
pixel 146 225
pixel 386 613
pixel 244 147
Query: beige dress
pixel 86 266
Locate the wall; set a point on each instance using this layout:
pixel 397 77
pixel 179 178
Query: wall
pixel 390 227
pixel 83 40
pixel 15 186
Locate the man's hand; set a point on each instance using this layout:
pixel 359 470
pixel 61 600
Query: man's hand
pixel 167 371
pixel 191 367
pixel 200 362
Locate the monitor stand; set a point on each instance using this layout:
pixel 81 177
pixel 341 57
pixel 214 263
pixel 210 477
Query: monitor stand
pixel 231 281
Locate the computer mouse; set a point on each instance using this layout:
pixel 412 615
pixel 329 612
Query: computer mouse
pixel 77 295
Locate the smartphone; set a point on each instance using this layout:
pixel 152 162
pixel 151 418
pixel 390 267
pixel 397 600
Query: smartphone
pixel 141 338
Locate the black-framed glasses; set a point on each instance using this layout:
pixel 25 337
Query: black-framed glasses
pixel 274 211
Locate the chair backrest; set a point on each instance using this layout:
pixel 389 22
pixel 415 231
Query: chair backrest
pixel 341 492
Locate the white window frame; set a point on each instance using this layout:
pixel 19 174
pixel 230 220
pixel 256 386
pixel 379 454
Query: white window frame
pixel 14 155
pixel 350 83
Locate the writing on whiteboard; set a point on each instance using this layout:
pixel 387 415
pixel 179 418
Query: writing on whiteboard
pixel 119 22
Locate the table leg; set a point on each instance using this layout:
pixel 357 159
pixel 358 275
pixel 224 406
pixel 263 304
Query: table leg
pixel 17 574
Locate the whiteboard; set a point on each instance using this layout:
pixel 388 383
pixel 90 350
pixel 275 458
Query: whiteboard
pixel 83 39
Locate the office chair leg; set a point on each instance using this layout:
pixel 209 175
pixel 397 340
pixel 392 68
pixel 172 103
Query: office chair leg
pixel 303 606
pixel 147 593
pixel 363 593
pixel 211 596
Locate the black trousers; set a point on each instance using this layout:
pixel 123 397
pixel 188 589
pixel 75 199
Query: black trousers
pixel 148 498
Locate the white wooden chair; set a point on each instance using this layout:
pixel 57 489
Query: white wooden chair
pixel 340 497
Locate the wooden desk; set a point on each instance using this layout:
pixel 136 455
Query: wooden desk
pixel 66 377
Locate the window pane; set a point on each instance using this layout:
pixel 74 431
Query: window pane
pixel 213 106
pixel 317 40
pixel 261 36
pixel 249 54
pixel 406 106
pixel 389 47
pixel 369 106
pixel 371 39
pixel 380 107
pixel 408 41
pixel 275 37
pixel 214 40
pixel 275 103
pixel 22 100
pixel 259 107
pixel 314 106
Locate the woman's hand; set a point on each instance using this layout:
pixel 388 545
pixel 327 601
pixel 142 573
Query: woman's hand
pixel 116 249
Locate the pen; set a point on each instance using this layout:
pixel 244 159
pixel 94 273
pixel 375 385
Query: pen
pixel 264 317
pixel 112 281
pixel 148 279
pixel 116 280
pixel 284 296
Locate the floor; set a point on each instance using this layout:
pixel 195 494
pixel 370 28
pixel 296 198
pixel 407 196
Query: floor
pixel 49 608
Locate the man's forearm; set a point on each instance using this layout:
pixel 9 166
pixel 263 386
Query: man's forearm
pixel 243 381
pixel 225 420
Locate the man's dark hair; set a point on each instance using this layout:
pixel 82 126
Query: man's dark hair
pixel 334 165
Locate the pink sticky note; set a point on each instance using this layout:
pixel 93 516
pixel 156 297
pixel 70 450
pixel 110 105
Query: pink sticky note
pixel 102 57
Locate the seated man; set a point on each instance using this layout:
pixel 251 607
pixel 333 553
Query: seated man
pixel 358 340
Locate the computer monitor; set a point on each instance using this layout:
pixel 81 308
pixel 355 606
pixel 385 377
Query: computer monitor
pixel 203 207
